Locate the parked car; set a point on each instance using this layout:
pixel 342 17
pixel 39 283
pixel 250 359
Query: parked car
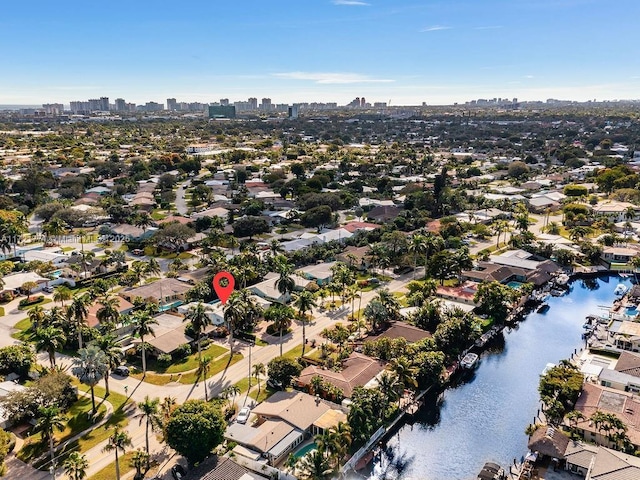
pixel 121 370
pixel 243 415
pixel 274 384
pixel 178 471
pixel 48 289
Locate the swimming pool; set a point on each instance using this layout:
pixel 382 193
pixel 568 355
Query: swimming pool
pixel 514 285
pixel 632 311
pixel 306 449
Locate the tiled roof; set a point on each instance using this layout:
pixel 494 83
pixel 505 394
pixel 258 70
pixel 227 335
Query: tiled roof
pixel 629 363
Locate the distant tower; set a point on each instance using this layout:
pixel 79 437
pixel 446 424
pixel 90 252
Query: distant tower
pixel 224 102
pixel 293 111
pixel 104 104
pixel 172 104
pixel 363 102
pixel 121 105
pixel 253 103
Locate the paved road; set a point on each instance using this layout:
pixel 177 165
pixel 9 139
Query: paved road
pixel 180 202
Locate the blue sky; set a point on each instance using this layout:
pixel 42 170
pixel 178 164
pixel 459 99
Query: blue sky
pixel 408 52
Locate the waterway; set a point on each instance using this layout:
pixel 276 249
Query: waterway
pixel 484 416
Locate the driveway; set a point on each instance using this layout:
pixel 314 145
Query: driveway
pixel 180 202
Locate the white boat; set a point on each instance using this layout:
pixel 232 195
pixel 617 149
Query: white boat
pixel 562 279
pixel 469 360
pixel 620 290
pixel 491 471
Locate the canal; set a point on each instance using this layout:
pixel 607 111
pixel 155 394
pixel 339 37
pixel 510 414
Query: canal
pixel 484 416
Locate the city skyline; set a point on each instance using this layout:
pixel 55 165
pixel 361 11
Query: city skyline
pixel 320 51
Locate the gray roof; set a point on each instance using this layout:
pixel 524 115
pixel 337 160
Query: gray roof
pixel 580 454
pixel 216 468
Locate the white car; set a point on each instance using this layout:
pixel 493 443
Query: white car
pixel 243 415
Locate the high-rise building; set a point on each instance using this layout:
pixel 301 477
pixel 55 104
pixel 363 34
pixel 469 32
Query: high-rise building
pixel 253 103
pixel 293 111
pixel 224 102
pixel 53 108
pixel 222 111
pixel 172 104
pixel 363 102
pixel 120 105
pixel 265 105
pixel 104 104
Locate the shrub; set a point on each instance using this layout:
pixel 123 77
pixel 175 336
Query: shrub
pixel 25 302
pixel 164 360
pixel 16 359
pixel 182 351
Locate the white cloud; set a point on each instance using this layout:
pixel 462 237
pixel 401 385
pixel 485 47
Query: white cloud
pixel 435 28
pixel 331 77
pixel 351 3
pixel 528 76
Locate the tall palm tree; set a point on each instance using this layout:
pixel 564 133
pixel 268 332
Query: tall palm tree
pixel 108 314
pixel 258 369
pixel 118 441
pixel 108 344
pixel 304 302
pixel 405 371
pixel 200 320
pixel 417 246
pixel 389 385
pixel 240 311
pixel 76 465
pixel 49 339
pixel 285 282
pixel 78 312
pixel 152 267
pixel 140 460
pixel 49 420
pixel 204 367
pixel 36 317
pixel 90 367
pixel 150 414
pixel 62 294
pixel 142 323
pixel 281 316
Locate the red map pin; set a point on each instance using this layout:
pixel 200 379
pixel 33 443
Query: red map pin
pixel 223 291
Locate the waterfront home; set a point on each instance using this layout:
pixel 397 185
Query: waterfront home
pixel 624 405
pixel 618 257
pixel 461 294
pixel 625 374
pixel 600 463
pixel 282 422
pixel 167 293
pixel 625 335
pixel 398 329
pixel 355 371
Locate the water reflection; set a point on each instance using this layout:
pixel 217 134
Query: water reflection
pixel 483 416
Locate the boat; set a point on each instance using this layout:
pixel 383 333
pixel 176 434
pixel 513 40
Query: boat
pixel 469 360
pixel 563 279
pixel 620 290
pixel 543 308
pixel 557 292
pixel 491 471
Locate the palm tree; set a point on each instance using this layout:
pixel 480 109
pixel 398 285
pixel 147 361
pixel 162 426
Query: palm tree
pixel 200 320
pixel 142 322
pixel 49 339
pixel 90 367
pixel 76 465
pixel 62 294
pixel 285 282
pixel 405 371
pixel 142 220
pixel 54 227
pixel 204 367
pixel 281 316
pixel 150 414
pixel 152 267
pixel 49 420
pixel 304 302
pixel 36 317
pixel 389 385
pixel 258 369
pixel 28 287
pixel 240 311
pixel 417 246
pixel 166 408
pixel 340 439
pixel 108 314
pixel 315 466
pixel 275 247
pixel 230 392
pixel 140 460
pixel 86 256
pixel 118 441
pixel 78 312
pixel 108 344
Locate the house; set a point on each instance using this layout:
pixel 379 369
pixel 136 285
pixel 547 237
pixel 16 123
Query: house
pixel 600 463
pixel 169 334
pixel 123 307
pixel 267 288
pixel 194 276
pixel 13 283
pixel 625 335
pixel 402 330
pixel 283 421
pixel 56 258
pixel 167 293
pixel 336 235
pixel 212 212
pixel 355 256
pixel 384 213
pixel 320 273
pixel 354 226
pixel 542 203
pixel 214 311
pixel 356 371
pixel 460 294
pixel 618 256
pixel 548 442
pixel 222 468
pixel 624 405
pixel 6 388
pixel 616 211
pixel 133 233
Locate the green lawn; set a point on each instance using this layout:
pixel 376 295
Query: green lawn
pixel 294 353
pixel 67 249
pixel 109 472
pixel 23 327
pixel 1 311
pixel 78 421
pixel 184 365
